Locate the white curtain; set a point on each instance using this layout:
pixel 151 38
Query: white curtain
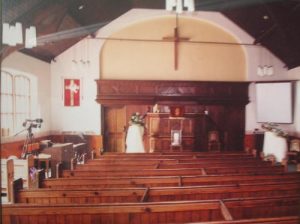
pixel 134 139
pixel 275 145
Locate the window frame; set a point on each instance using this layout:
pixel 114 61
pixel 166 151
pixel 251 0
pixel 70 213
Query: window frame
pixel 17 95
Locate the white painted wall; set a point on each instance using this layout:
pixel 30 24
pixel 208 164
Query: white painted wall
pixel 294 128
pixel 297 108
pixel 154 60
pixel 50 78
pixel 86 117
pixel 255 55
pixel 39 72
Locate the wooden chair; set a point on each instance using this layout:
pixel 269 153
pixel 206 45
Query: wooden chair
pixel 176 140
pixel 46 159
pixel 294 152
pixel 214 143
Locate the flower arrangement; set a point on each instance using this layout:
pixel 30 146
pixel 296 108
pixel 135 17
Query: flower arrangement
pixel 137 118
pixel 274 128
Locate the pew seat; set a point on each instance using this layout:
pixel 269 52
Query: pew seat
pixel 206 188
pixel 160 181
pixel 155 194
pixel 154 212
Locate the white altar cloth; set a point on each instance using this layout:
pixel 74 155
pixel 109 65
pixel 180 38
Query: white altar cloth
pixel 275 145
pixel 134 139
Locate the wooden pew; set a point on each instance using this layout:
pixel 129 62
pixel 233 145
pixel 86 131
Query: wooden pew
pixel 110 165
pixel 240 178
pixel 217 165
pixel 124 213
pixel 158 194
pixel 248 170
pixel 166 181
pixel 178 155
pixel 7 176
pixel 154 212
pixel 131 173
pixel 181 153
pixel 149 161
pixel 263 207
pixel 172 172
pixel 158 165
pixel 276 220
pixel 251 193
pixel 130 161
pixel 22 170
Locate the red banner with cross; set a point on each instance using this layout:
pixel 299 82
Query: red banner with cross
pixel 72 92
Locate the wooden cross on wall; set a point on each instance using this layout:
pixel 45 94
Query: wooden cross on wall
pixel 176 38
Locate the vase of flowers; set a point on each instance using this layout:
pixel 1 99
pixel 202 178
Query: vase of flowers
pixel 137 118
pixel 275 142
pixel 272 127
pixel 134 139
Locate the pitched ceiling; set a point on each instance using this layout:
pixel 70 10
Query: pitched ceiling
pixel 274 24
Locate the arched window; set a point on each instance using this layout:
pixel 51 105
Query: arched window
pixel 22 100
pixel 15 102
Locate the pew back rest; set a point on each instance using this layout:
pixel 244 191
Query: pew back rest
pixel 3 173
pixel 7 172
pixel 208 211
pixel 20 169
pixel 156 194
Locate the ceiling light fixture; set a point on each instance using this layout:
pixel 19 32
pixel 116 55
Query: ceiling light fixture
pixel 265 17
pixel 80 7
pixel 30 34
pixel 178 5
pixel 18 33
pixel 264 69
pixel 13 35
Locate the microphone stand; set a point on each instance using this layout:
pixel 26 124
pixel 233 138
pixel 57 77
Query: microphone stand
pixel 28 140
pixel 29 135
pixel 20 132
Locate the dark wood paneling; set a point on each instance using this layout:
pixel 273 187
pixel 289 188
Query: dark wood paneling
pixel 122 92
pixel 114 125
pixel 60 153
pixel 15 148
pixel 223 102
pixel 160 126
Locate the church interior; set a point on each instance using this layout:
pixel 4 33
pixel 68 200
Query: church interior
pixel 161 111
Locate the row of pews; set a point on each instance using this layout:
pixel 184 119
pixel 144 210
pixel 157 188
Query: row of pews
pixel 188 187
pixel 14 168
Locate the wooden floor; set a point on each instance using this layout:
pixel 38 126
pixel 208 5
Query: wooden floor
pixel 189 187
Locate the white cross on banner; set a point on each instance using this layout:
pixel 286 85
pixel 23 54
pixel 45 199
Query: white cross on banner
pixel 72 92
